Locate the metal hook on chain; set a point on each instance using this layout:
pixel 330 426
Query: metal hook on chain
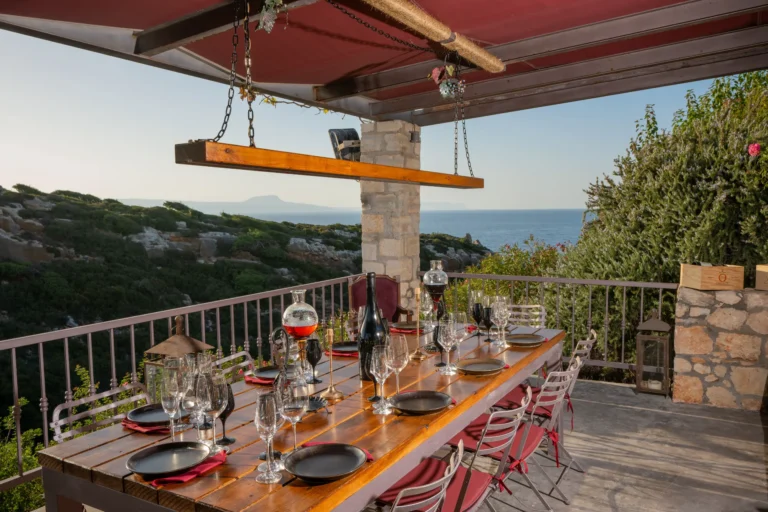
pixel 232 75
pixel 248 82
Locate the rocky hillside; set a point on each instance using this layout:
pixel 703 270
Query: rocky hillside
pixel 68 258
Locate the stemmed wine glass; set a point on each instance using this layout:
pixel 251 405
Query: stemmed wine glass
pixel 314 354
pixel 226 441
pixel 477 308
pixel 212 400
pixel 268 419
pixel 380 369
pixel 170 396
pixel 463 330
pixel 500 316
pixel 397 356
pixel 448 339
pixel 294 395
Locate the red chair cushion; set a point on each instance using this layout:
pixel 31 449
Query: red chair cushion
pixel 514 399
pixel 471 436
pixel 431 469
pixel 387 296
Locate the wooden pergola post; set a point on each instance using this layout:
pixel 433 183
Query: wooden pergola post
pixel 391 211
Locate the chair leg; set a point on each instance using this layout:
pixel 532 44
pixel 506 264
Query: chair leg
pixel 554 485
pixel 488 502
pixel 536 492
pixel 574 462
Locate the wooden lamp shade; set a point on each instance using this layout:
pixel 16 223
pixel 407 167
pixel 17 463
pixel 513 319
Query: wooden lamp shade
pixel 216 154
pixel 179 344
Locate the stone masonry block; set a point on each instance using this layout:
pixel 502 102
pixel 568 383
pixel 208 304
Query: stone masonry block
pixel 682 365
pixel 749 381
pixel 692 340
pixel 370 251
pixel 695 297
pixel 721 397
pixel 757 300
pixel 367 128
pixel 729 297
pixel 758 322
pixel 373 266
pixel 372 223
pixel 727 318
pixel 688 389
pixel 390 247
pixel 392 160
pixel 392 126
pixel 740 346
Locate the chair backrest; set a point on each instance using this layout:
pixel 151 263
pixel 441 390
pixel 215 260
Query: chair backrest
pixel 101 404
pixel 387 295
pixel 239 361
pixel 429 497
pixel 532 315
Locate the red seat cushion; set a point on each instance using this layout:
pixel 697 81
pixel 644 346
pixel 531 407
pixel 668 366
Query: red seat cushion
pixel 514 399
pixel 471 436
pixel 428 471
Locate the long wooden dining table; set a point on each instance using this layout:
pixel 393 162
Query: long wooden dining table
pixel 91 469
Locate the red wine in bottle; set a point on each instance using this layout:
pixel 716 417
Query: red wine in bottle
pixel 435 290
pixel 300 332
pixel 372 330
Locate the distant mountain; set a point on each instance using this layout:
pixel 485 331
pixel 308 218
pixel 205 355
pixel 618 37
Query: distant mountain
pixel 272 205
pixel 254 205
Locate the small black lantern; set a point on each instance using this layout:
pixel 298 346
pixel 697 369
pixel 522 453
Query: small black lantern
pixel 653 350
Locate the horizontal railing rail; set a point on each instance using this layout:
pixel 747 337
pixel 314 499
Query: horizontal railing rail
pixel 248 317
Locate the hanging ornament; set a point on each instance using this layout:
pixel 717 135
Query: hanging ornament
pixel 269 14
pixel 447 81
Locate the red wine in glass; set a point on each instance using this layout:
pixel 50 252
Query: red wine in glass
pixel 300 332
pixel 435 291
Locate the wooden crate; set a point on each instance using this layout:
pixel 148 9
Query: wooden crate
pixel 761 277
pixel 728 277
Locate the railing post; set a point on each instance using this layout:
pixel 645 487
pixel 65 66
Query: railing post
pixel 606 322
pixel 219 351
pixel 90 364
pixel 43 394
pixel 17 412
pixel 134 376
pixel 247 341
pixel 623 321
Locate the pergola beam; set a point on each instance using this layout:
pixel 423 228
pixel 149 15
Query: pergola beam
pixel 627 27
pixel 198 25
pixel 586 69
pixel 711 66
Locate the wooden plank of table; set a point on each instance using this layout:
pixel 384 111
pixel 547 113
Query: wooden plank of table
pixel 54 456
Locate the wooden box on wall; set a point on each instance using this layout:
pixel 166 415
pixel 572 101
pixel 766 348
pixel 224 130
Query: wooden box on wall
pixel 699 277
pixel 761 277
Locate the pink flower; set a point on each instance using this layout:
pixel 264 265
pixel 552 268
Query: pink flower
pixel 754 149
pixel 436 72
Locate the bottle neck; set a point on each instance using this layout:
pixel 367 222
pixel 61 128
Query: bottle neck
pixel 371 292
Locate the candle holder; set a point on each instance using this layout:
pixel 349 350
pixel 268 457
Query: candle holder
pixel 331 393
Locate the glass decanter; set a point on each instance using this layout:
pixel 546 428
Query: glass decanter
pixel 436 281
pixel 300 322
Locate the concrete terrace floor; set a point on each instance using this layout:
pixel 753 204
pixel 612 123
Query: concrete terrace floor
pixel 645 453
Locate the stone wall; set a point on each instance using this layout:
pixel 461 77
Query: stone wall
pixel 721 348
pixel 391 211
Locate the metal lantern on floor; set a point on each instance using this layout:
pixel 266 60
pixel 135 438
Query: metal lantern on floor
pixel 653 351
pixel 177 345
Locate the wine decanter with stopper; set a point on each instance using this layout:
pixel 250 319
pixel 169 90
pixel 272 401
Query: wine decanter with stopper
pixel 435 282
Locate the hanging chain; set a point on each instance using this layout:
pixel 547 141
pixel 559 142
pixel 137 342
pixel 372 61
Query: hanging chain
pixel 232 75
pixel 248 83
pixel 379 31
pixel 459 106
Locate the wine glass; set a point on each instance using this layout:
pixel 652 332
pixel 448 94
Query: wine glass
pixel 268 420
pixel 226 441
pixel 397 356
pixel 500 316
pixel 314 354
pixel 219 400
pixel 294 396
pixel 447 339
pixel 463 328
pixel 380 370
pixel 487 320
pixel 189 398
pixel 170 396
pixel 360 317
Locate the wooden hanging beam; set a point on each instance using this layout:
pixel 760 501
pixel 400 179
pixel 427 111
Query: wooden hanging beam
pixel 405 12
pixel 215 154
pixel 198 25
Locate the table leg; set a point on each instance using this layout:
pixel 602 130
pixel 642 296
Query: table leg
pixel 54 502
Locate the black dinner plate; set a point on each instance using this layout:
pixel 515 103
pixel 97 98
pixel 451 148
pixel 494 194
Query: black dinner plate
pixel 324 463
pixel 167 459
pixel 525 340
pixel 270 372
pixel 151 415
pixel 481 366
pixel 405 325
pixel 420 402
pixel 316 403
pixel 347 346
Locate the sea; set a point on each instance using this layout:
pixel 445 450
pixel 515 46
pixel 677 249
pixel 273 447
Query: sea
pixel 493 228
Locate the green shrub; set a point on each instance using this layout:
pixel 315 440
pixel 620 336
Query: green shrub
pixel 26 189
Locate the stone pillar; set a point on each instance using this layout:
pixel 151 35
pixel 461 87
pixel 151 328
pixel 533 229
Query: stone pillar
pixel 721 348
pixel 391 211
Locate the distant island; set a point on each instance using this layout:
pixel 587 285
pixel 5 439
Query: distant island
pixel 271 204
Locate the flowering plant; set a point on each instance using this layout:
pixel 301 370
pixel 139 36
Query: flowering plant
pixel 754 149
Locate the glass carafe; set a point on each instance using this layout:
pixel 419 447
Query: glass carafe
pixel 435 281
pixel 299 319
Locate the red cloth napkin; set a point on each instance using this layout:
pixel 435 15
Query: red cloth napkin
pixel 453 401
pixel 159 429
pixel 405 331
pixel 257 380
pixel 471 328
pixel 207 465
pixel 506 367
pixel 368 455
pixel 343 354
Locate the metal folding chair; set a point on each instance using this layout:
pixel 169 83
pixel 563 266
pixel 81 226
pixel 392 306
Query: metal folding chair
pixel 231 371
pixel 429 496
pixel 95 411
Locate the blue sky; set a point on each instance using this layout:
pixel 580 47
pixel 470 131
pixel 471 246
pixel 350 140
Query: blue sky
pixel 81 121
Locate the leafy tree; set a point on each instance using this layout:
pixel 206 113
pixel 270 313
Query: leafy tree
pixel 27 496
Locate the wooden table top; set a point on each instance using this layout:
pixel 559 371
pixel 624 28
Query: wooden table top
pixel 100 457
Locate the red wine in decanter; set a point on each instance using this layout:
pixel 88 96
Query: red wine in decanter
pixel 301 331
